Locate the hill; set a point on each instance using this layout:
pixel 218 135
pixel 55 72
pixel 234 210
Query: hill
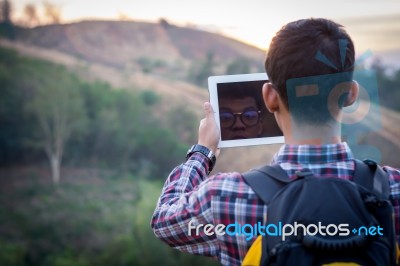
pixel 132 45
pixel 100 213
pixel 161 57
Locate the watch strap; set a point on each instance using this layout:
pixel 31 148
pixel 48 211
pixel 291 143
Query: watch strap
pixel 206 152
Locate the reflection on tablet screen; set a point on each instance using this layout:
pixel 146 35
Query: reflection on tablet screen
pixel 242 112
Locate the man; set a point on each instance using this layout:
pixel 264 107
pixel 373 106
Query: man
pixel 312 140
pixel 241 110
pixel 240 119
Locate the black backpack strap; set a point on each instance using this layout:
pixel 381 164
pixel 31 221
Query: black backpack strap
pixel 369 175
pixel 266 181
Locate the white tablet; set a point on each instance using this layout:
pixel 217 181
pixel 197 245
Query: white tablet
pixel 240 111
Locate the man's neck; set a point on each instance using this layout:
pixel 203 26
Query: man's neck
pixel 313 134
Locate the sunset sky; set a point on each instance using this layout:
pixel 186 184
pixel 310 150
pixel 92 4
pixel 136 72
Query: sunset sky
pixel 374 24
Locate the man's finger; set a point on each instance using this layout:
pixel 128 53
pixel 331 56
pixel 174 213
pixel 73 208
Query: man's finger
pixel 208 110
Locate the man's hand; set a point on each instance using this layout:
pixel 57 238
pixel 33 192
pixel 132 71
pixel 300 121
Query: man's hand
pixel 208 130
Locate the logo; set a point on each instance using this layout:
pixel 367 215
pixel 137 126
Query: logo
pixel 328 94
pixel 280 230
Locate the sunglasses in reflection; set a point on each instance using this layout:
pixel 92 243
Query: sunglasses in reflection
pixel 249 118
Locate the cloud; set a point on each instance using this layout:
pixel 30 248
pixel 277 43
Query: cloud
pixel 378 32
pixel 375 19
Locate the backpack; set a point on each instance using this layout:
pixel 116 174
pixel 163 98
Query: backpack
pixel 323 221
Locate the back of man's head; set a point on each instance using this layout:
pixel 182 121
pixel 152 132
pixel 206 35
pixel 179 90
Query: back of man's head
pixel 309 48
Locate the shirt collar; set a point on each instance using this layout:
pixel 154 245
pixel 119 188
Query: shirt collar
pixel 314 154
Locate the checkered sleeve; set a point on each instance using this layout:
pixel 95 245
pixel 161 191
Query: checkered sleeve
pixel 394 182
pixel 184 203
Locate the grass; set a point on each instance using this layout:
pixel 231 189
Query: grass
pixel 97 219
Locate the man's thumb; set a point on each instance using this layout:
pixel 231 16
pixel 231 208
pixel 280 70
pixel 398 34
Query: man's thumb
pixel 208 109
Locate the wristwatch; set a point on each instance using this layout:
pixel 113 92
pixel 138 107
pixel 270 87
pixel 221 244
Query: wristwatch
pixel 206 152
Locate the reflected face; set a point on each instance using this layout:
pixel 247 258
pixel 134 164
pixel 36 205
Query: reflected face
pixel 239 118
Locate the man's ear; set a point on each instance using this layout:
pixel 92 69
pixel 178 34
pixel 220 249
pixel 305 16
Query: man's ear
pixel 353 94
pixel 270 97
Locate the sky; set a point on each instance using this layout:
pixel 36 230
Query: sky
pixel 373 24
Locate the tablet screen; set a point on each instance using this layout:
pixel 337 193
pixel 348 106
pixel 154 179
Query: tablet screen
pixel 240 111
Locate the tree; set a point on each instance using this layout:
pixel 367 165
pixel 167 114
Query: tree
pixel 200 73
pixel 6 26
pixel 238 66
pixel 164 23
pixel 123 17
pixel 60 113
pixel 388 82
pixel 6 10
pixel 52 12
pixel 31 15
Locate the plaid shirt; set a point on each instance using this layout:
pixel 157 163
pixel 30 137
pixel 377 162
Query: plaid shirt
pixel 190 196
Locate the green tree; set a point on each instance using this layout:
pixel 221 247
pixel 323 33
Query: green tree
pixel 149 97
pixel 6 10
pixel 60 113
pixel 185 123
pixel 6 26
pixel 238 66
pixel 120 124
pixel 17 84
pixel 388 85
pixel 200 73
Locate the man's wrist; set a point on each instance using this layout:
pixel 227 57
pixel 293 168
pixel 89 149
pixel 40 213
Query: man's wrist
pixel 212 148
pixel 206 152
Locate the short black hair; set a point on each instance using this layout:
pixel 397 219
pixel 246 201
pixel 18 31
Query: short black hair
pixel 293 51
pixel 240 90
